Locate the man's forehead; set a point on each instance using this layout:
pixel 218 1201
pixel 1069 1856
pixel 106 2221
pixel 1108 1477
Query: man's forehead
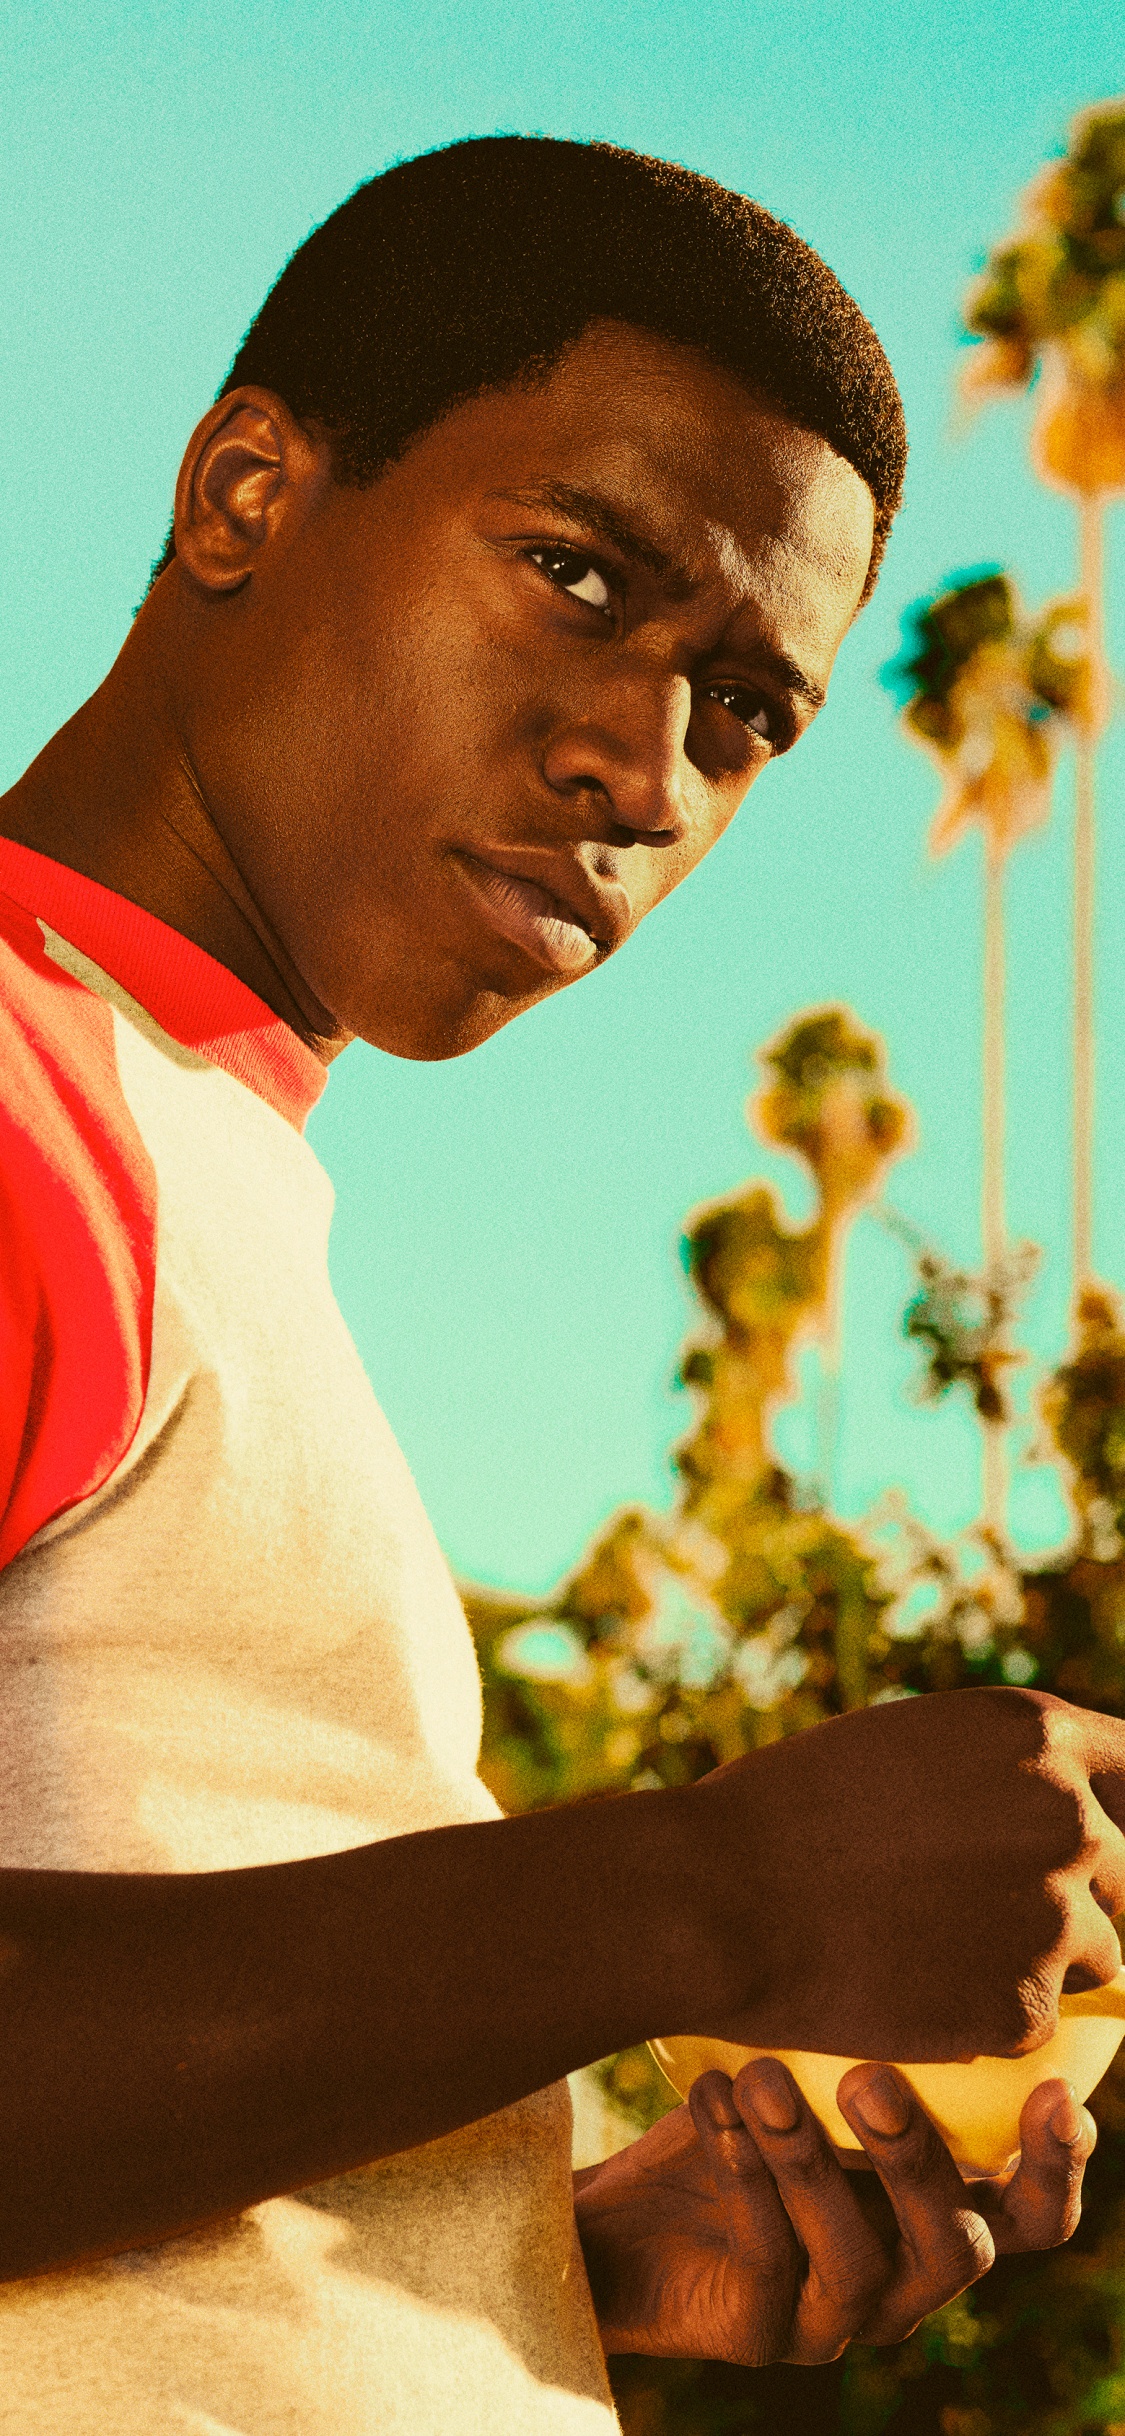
pixel 692 547
pixel 636 379
pixel 655 435
pixel 678 464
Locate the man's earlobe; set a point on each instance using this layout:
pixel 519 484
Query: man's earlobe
pixel 245 466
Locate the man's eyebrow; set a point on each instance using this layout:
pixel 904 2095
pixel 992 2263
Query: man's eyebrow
pixel 793 678
pixel 600 516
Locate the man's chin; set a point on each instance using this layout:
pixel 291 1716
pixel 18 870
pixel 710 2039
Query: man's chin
pixel 433 1034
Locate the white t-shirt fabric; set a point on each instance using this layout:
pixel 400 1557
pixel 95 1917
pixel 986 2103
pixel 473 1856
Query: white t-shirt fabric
pixel 243 1645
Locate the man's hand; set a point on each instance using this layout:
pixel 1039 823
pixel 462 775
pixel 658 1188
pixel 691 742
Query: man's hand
pixel 918 1880
pixel 731 2232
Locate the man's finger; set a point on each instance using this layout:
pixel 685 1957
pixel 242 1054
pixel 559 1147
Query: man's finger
pixel 847 2264
pixel 945 2242
pixel 1102 1743
pixel 1042 2203
pixel 762 2245
pixel 1095 1945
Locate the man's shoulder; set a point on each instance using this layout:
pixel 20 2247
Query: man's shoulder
pixel 77 1239
pixel 49 1025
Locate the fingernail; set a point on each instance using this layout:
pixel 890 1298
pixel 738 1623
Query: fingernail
pixel 773 2099
pixel 1066 2122
pixel 882 2105
pixel 718 2104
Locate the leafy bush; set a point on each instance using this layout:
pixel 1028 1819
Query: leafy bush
pixel 752 1612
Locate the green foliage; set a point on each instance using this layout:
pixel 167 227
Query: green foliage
pixel 809 1052
pixel 751 1270
pixel 990 690
pixel 1052 300
pixel 1070 267
pixel 684 1640
pixel 941 634
pixel 966 1322
pixel 976 626
pixel 1085 1408
pixel 1058 673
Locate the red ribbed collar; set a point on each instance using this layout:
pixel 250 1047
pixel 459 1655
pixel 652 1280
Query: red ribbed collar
pixel 191 996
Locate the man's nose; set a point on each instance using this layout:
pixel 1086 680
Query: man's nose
pixel 632 754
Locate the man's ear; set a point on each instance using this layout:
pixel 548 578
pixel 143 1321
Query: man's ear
pixel 248 465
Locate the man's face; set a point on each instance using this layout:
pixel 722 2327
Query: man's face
pixel 464 729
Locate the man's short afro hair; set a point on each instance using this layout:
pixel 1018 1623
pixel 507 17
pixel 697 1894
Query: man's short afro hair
pixel 467 269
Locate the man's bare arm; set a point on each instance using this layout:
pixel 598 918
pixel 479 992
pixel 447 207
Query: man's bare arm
pixel 173 2048
pixel 911 1880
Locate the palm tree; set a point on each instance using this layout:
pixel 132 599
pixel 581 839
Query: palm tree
pixel 826 1099
pixel 987 691
pixel 1051 302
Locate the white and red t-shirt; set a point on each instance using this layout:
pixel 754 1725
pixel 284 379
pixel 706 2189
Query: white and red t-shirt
pixel 227 1636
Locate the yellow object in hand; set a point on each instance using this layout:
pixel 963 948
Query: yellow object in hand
pixel 976 2105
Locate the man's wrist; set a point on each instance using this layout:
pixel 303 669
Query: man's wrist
pixel 684 1865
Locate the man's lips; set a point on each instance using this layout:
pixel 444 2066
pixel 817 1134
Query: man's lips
pixel 561 936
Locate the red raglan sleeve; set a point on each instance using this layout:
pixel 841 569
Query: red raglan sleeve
pixel 77 1241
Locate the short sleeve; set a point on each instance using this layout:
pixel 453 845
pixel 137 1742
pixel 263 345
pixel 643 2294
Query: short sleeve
pixel 77 1242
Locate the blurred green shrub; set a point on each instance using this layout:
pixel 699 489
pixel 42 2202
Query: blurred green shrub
pixel 750 1612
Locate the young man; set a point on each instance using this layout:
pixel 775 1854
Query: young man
pixel 522 537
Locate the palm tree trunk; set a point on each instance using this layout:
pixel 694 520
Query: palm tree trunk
pixel 829 1354
pixel 994 1229
pixel 1091 521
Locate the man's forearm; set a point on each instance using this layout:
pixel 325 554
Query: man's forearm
pixel 175 2048
pixel 911 1880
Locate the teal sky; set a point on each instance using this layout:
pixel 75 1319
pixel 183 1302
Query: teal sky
pixel 506 1231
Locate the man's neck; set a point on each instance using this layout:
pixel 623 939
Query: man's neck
pixel 114 796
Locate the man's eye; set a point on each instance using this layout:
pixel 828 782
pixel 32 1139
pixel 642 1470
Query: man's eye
pixel 573 572
pixel 752 708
